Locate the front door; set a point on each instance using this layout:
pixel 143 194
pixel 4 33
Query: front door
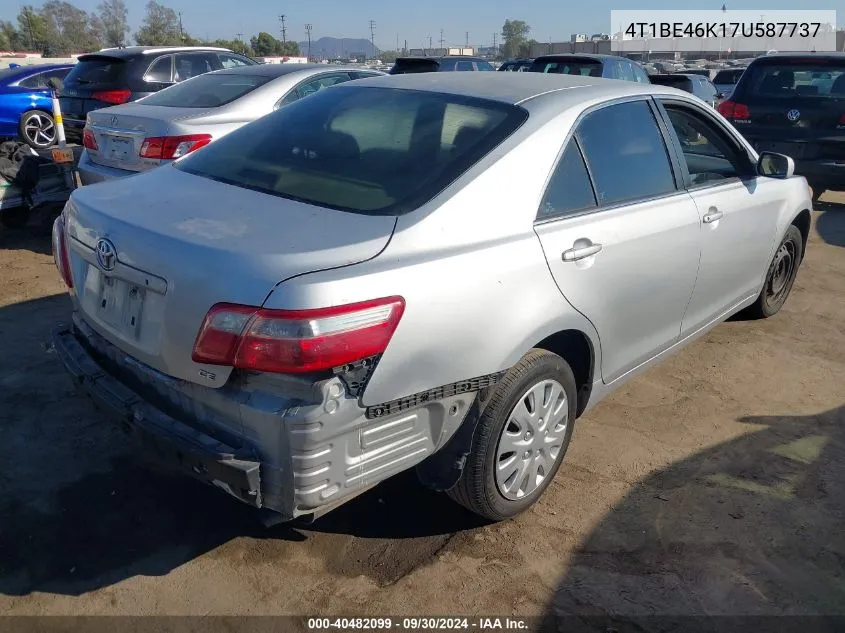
pixel 738 212
pixel 620 236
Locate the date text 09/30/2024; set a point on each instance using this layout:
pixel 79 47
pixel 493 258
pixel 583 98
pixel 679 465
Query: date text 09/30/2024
pixel 418 624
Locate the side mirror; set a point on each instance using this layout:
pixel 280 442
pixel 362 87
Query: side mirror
pixel 721 95
pixel 774 165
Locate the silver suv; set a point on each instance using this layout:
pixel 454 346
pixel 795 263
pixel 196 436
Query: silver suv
pixel 438 271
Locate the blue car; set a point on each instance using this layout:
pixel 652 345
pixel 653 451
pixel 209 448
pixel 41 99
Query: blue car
pixel 25 106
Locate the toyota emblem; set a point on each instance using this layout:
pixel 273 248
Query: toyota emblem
pixel 106 254
pixel 793 115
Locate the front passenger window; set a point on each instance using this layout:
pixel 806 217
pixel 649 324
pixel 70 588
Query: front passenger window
pixel 709 156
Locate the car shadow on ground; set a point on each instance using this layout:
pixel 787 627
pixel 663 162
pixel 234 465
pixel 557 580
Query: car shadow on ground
pixel 749 527
pixel 79 510
pixel 34 238
pixel 830 223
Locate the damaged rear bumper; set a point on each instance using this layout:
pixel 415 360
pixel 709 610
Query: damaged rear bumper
pixel 163 438
pixel 277 442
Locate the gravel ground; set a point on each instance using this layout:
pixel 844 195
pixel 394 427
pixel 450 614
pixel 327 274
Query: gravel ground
pixel 706 486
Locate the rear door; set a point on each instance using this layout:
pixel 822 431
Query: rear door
pixel 738 212
pixel 795 106
pixel 620 236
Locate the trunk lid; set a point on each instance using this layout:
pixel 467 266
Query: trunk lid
pixel 796 107
pixel 120 132
pixel 92 73
pixel 182 243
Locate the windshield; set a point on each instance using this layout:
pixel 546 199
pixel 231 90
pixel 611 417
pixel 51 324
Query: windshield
pixel 675 81
pixel 727 76
pixel 206 91
pixel 96 70
pixel 789 80
pixel 377 151
pixel 10 73
pixel 588 67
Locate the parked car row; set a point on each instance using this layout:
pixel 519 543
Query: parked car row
pixel 277 314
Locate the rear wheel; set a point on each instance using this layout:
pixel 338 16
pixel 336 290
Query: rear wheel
pixel 520 439
pixel 37 129
pixel 781 275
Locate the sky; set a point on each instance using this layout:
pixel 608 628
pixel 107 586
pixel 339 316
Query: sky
pixel 411 20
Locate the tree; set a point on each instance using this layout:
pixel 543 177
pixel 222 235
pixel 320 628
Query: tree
pixel 264 44
pixel 114 21
pixel 526 48
pixel 33 29
pixel 291 49
pixel 160 27
pixel 69 29
pixel 514 37
pixel 10 38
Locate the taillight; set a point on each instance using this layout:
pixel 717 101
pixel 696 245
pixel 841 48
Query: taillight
pixel 114 97
pixel 734 111
pixel 88 139
pixel 172 147
pixel 841 121
pixel 296 341
pixel 60 253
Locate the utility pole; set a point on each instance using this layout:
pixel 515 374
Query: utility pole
pixel 441 39
pixel 430 43
pixel 239 37
pixel 181 32
pixel 397 42
pixel 373 35
pixel 467 43
pixel 495 50
pixel 308 28
pixel 283 28
pixel 29 28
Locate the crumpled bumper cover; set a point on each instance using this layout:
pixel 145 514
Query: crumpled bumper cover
pixel 164 438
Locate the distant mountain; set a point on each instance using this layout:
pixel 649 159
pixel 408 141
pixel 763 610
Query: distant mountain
pixel 336 47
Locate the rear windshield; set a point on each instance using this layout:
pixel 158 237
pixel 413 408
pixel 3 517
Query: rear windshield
pixel 403 67
pixel 96 70
pixel 8 73
pixel 727 76
pixel 796 80
pixel 675 81
pixel 588 67
pixel 375 151
pixel 205 91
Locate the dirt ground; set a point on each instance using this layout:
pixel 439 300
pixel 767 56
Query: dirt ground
pixel 710 485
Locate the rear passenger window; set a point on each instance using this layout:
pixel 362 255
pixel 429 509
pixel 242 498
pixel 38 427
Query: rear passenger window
pixel 626 154
pixel 569 190
pixel 160 71
pixel 464 66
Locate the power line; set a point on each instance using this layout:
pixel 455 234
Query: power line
pixel 283 28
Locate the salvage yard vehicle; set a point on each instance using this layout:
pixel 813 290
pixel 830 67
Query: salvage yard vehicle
pixel 353 286
pixel 119 75
pixel 794 104
pixel 126 139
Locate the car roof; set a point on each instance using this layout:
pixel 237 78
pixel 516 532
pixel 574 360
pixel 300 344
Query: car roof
pixel 596 56
pixel 511 88
pixel 134 51
pixel 437 59
pixel 39 68
pixel 279 70
pixel 829 56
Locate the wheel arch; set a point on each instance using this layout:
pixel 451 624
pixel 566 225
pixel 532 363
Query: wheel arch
pixel 802 222
pixel 577 349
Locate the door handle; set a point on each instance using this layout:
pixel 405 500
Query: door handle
pixel 581 250
pixel 712 215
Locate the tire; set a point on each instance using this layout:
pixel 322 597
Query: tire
pixel 37 129
pixel 779 280
pixel 493 497
pixel 16 218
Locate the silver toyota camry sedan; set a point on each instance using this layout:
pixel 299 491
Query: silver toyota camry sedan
pixel 440 271
pixel 126 139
